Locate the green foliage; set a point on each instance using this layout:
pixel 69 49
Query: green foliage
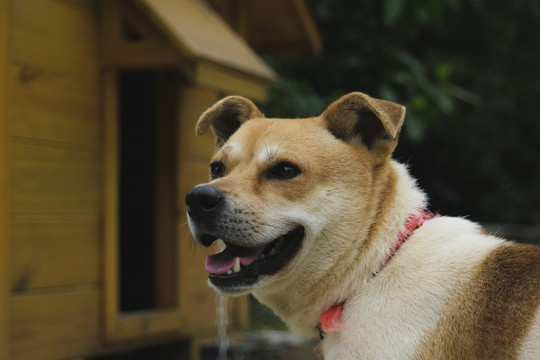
pixel 262 318
pixel 469 75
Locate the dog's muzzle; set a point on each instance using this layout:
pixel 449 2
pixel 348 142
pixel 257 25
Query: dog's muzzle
pixel 204 202
pixel 239 266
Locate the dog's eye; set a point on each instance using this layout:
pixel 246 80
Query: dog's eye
pixel 217 170
pixel 283 171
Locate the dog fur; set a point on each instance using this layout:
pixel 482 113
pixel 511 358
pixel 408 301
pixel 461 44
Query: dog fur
pixel 451 291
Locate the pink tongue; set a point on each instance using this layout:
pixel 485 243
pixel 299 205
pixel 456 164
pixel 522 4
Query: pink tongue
pixel 224 261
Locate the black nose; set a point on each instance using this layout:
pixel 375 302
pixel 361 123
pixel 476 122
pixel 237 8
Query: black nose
pixel 203 200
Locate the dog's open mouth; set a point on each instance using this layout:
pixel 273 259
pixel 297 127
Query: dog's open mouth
pixel 240 267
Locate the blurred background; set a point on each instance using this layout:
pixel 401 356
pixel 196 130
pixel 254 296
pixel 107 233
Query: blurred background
pixel 469 75
pixel 98 102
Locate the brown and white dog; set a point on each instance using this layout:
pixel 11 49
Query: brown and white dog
pixel 323 227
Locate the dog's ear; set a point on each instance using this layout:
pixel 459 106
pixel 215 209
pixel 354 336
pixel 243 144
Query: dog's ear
pixel 357 116
pixel 226 116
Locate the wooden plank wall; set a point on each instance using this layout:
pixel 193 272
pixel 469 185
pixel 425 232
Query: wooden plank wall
pixel 196 298
pixel 56 179
pixel 56 193
pixel 5 8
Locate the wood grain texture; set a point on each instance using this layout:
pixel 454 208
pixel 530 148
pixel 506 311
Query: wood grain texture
pixel 54 251
pixel 192 103
pixel 110 203
pixel 55 325
pixel 54 73
pixel 56 185
pixel 49 179
pixel 5 22
pixel 59 107
pixel 151 49
pixel 231 82
pixel 58 35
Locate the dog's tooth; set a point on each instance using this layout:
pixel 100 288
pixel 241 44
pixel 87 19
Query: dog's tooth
pixel 229 272
pixel 236 267
pixel 221 246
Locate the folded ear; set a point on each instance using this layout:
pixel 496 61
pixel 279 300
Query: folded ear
pixel 357 116
pixel 226 116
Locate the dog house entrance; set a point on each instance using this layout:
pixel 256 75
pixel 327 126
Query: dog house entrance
pixel 146 190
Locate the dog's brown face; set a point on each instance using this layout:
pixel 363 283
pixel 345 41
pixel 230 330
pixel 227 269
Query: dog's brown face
pixel 282 189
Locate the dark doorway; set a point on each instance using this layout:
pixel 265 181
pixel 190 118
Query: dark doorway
pixel 146 190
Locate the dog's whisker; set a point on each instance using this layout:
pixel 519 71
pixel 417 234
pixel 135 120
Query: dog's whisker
pixel 265 238
pixel 336 234
pixel 328 241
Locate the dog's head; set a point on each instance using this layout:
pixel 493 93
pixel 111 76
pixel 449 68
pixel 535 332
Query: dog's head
pixel 287 194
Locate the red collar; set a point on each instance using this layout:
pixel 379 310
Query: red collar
pixel 414 222
pixel 329 320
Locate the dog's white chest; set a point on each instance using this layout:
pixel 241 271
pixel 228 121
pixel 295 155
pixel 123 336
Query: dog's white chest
pixel 394 313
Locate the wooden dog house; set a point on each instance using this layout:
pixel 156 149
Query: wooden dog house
pixel 98 102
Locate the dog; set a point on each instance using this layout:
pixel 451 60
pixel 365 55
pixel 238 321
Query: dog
pixel 321 225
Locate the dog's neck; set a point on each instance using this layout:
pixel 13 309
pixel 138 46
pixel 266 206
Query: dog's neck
pixel 356 265
pixel 414 222
pixel 330 321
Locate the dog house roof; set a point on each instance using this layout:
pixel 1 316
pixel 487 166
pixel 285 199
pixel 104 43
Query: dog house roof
pixel 215 41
